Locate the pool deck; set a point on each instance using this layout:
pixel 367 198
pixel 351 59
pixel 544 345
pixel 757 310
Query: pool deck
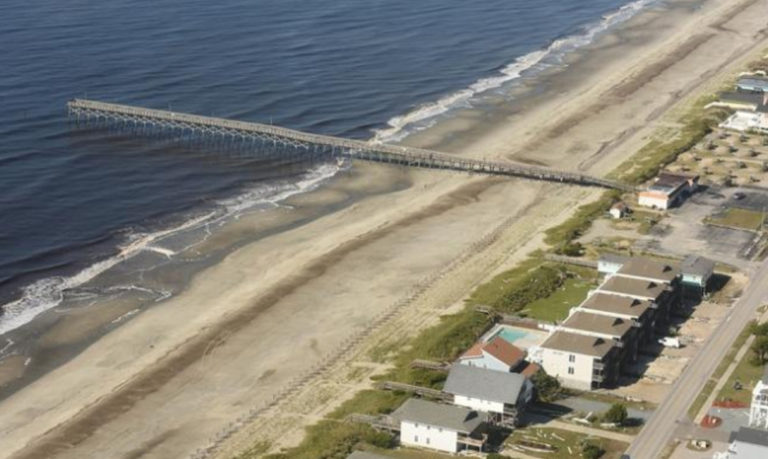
pixel 530 338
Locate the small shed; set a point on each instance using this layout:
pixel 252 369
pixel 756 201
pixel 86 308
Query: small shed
pixel 619 210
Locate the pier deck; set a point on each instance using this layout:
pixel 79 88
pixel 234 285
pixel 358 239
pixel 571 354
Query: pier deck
pixel 241 131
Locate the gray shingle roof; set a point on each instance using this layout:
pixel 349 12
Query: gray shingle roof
pixel 663 271
pixel 578 344
pixel 613 258
pixel 493 385
pixel 617 304
pixel 635 287
pixel 462 420
pixel 750 98
pixel 752 436
pixel 694 264
pixel 598 323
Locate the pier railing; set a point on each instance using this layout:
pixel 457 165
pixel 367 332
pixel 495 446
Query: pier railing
pixel 87 110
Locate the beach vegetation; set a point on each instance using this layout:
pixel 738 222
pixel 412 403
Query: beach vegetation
pixel 658 153
pixel 562 237
pixel 371 402
pixel 329 439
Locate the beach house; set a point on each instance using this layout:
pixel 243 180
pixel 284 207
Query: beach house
pixel 758 408
pixel 503 395
pixel 751 111
pixel 696 273
pixel 746 443
pixel 752 83
pixel 440 427
pixel 497 354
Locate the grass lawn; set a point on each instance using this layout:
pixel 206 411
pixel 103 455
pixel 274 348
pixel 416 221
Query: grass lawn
pixel 610 398
pixel 556 306
pixel 748 375
pixel 563 440
pixel 740 218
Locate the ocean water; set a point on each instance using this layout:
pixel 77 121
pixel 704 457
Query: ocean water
pixel 74 204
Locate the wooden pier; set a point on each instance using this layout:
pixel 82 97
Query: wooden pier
pixel 248 133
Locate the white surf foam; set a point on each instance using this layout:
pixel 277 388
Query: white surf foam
pixel 425 115
pixel 47 293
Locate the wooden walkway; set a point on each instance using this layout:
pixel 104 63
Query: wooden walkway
pixel 244 132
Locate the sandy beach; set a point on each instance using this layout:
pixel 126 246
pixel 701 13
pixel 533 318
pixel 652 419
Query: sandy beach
pixel 409 248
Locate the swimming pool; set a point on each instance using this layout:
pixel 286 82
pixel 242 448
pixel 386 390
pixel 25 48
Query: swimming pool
pixel 510 334
pixel 522 338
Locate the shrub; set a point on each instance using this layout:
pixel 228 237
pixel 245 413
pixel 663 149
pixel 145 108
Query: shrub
pixel 760 348
pixel 548 388
pixel 591 451
pixel 616 414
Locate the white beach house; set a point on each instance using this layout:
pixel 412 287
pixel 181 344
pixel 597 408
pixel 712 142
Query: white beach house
pixel 758 409
pixel 504 395
pixel 440 427
pixel 746 443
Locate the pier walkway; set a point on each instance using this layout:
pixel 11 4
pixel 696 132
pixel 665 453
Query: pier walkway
pixel 246 133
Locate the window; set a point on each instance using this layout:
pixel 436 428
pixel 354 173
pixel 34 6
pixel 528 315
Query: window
pixel 427 440
pixel 570 370
pixel 439 429
pixel 571 358
pixel 428 427
pixel 415 438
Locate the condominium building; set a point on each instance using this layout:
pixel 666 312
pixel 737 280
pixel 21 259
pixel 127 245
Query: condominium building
pixel 602 335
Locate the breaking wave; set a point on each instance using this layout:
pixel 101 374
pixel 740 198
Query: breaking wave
pixel 48 293
pixel 426 115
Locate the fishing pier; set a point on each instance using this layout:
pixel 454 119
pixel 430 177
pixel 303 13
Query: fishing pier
pixel 245 135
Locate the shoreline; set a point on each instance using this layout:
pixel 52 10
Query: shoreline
pixel 428 207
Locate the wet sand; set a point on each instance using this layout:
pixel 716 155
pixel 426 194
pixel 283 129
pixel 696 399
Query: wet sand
pixel 172 376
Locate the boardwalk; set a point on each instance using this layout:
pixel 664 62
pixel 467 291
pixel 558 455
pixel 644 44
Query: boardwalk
pixel 249 133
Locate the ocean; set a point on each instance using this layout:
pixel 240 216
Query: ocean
pixel 75 204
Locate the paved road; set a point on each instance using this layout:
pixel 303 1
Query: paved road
pixel 658 432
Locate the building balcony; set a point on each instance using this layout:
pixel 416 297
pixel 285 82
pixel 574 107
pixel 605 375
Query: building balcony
pixel 598 366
